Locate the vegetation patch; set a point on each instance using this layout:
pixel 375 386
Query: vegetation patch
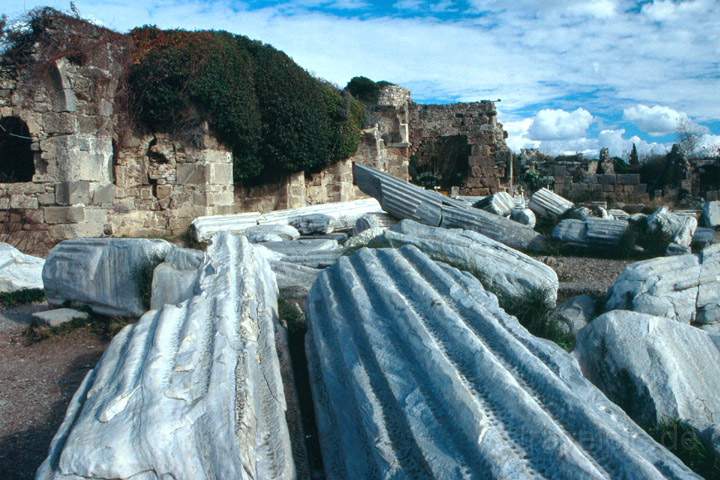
pixel 103 327
pixel 21 297
pixel 366 90
pixel 685 442
pixel 275 116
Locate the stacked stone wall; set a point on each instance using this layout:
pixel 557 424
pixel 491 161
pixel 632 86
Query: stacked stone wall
pixel 619 187
pixel 489 156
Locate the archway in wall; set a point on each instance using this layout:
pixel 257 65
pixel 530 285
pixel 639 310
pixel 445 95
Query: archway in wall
pixel 441 162
pixel 17 160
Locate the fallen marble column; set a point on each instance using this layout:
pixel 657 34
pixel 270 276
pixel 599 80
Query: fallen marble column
pixel 548 205
pixel 343 214
pixel 311 253
pixel 595 234
pixel 504 230
pixel 203 228
pixel 500 203
pixel 112 276
pixel 658 370
pixel 176 278
pixel 524 216
pixel 406 201
pixel 685 288
pixel 508 273
pixel 191 392
pixel 417 373
pixel 19 271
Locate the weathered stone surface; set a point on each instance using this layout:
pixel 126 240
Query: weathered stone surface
pixel 704 237
pixel 187 392
pixel 548 205
pixel 313 223
pixel 406 201
pixel 271 233
pixel 59 316
pixel 294 276
pixel 618 214
pixel 374 220
pixel 524 216
pixel 19 271
pixel 508 273
pixel 663 228
pixel 203 228
pixel 578 213
pixel 417 373
pixel 500 203
pixel 574 314
pixel 711 214
pixel 656 369
pixel 593 234
pixel 110 275
pixel 685 288
pixel 344 214
pixel 365 238
pixel 311 253
pixel 176 278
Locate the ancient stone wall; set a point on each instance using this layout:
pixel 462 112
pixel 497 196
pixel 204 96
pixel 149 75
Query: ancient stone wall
pixel 621 187
pixel 487 169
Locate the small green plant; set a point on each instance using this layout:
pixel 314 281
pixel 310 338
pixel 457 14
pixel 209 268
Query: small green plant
pixel 365 89
pixel 103 327
pixel 534 314
pixel 534 181
pixel 685 442
pixel 21 297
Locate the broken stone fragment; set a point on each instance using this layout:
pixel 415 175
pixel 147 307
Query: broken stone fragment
pixel 19 271
pixel 656 369
pixel 190 392
pixel 59 316
pixel 112 276
pixel 711 214
pixel 374 220
pixel 271 233
pixel 663 228
pixel 175 279
pixel 313 224
pixel 685 288
pixel 311 253
pixel 575 314
pixel 416 372
pixel 524 216
pixel 511 275
pixel 548 205
pixel 500 203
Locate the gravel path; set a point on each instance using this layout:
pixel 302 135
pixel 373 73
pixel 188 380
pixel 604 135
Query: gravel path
pixel 36 383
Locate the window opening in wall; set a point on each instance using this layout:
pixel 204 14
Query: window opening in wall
pixel 17 160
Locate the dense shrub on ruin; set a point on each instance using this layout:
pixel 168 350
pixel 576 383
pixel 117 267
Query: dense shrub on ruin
pixel 274 115
pixel 365 89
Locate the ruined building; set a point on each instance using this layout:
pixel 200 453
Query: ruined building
pixel 72 163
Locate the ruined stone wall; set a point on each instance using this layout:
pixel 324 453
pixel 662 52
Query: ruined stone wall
pixel 619 187
pixel 489 157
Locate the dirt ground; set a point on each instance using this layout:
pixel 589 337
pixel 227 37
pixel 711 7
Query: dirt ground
pixel 37 382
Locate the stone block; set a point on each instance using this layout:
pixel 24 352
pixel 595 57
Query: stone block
pixel 72 193
pixel 607 179
pixel 18 200
pixel 57 215
pixel 191 174
pixel 628 178
pixel 220 173
pixel 103 194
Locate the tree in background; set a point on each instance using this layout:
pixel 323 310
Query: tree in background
pixel 634 159
pixel 688 136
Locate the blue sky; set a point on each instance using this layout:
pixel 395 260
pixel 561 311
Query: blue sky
pixel 573 75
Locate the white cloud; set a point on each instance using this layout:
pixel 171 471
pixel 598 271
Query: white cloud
pixel 408 4
pixel 614 140
pixel 709 144
pixel 518 136
pixel 655 120
pixel 558 124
